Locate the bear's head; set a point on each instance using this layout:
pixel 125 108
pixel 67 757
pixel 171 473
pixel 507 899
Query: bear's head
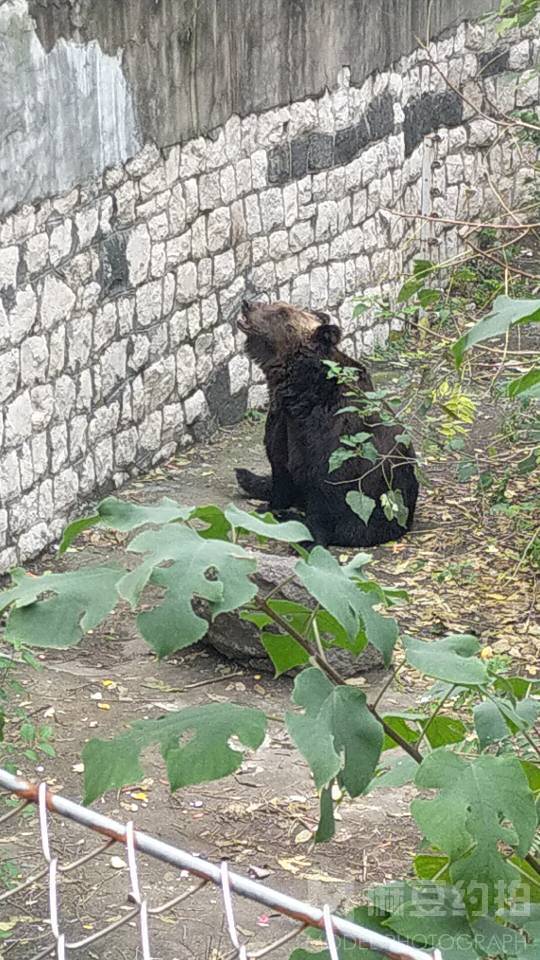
pixel 277 330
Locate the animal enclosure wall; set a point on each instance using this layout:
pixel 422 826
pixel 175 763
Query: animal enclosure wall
pixel 148 186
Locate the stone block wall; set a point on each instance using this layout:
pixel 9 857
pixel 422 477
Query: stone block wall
pixel 118 299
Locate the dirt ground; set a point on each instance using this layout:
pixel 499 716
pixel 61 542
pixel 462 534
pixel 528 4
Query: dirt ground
pixel 261 819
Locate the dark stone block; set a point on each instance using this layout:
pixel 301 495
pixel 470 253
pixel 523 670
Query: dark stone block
pixel 299 158
pixel 279 164
pixel 449 111
pixel 380 117
pixel 362 134
pixel 113 266
pixel 320 152
pixel 494 62
pixel 224 407
pixel 346 145
pixel 429 112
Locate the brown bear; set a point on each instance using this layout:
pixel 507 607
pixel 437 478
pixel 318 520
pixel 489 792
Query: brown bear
pixel 307 418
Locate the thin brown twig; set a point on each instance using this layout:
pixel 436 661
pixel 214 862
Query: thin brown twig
pixel 462 223
pixel 501 263
pixel 505 122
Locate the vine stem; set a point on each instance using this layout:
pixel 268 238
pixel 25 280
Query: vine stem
pixel 533 862
pixel 334 676
pixel 436 712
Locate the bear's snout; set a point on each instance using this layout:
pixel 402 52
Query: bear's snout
pixel 246 306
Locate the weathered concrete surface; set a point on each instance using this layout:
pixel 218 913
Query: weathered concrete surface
pixel 193 63
pixel 65 114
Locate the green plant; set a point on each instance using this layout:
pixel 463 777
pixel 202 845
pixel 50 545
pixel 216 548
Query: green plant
pixel 472 745
pixel 514 13
pixel 20 735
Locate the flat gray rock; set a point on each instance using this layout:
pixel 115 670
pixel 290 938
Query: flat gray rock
pixel 239 640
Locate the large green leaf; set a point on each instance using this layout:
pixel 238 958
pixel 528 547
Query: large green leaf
pixel 490 724
pixel 442 730
pixel 360 504
pixel 173 624
pixel 401 724
pixel 494 939
pixel 337 734
pixel 194 743
pixel 124 515
pixel 285 652
pixel 497 719
pixel 433 916
pixel 303 619
pixel 452 659
pixel 526 387
pixel 289 532
pixel 217 526
pixel 397 770
pixel 528 920
pixel 505 314
pixel 57 609
pixel 481 805
pixel 349 599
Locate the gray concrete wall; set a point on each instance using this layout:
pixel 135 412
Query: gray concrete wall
pixel 83 84
pixel 192 63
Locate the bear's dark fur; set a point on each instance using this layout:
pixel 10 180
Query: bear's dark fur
pixel 304 426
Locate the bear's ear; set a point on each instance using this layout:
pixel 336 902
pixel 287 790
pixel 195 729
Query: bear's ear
pixel 327 335
pixel 323 317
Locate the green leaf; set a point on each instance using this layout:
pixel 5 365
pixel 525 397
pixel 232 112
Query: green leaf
pixel 494 939
pixel 337 734
pixel 289 532
pixel 528 920
pixel 360 504
pixel 360 309
pixel 528 880
pixel 481 805
pixel 394 507
pixel 218 527
pixel 490 725
pixel 327 826
pixel 194 744
pixel 526 387
pixel 505 314
pixel 397 771
pixel 80 601
pixel 355 439
pixel 409 289
pixel 532 772
pixel 423 268
pixel 498 719
pixel 173 624
pixel 426 867
pixel 300 618
pixel 74 529
pixel 427 298
pixel 444 730
pixel 339 457
pixel 398 723
pixel 285 652
pixel 452 659
pixel 431 916
pixel 369 451
pixel 125 515
pixel 349 601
